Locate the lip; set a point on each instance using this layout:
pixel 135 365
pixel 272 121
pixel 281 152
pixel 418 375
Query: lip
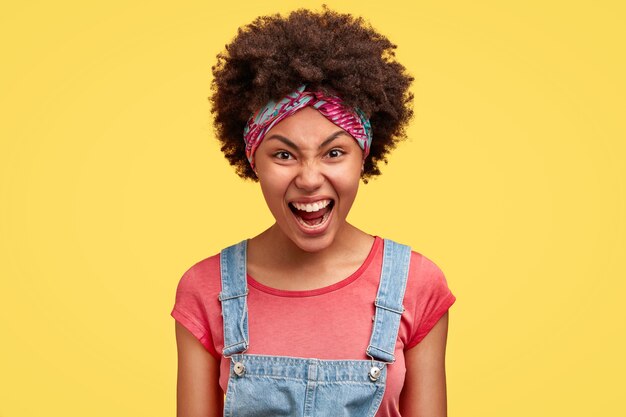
pixel 310 200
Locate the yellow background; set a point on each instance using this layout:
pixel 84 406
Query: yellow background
pixel 112 185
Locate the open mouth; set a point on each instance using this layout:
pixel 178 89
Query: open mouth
pixel 312 215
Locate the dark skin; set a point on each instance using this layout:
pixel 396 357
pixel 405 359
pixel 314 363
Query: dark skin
pixel 198 392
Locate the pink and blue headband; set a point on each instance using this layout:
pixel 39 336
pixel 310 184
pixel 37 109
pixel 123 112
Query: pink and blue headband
pixel 352 120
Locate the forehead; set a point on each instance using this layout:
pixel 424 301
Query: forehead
pixel 306 126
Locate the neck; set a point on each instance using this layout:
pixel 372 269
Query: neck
pixel 274 247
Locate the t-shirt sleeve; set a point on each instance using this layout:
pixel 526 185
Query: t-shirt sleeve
pixel 190 310
pixel 434 299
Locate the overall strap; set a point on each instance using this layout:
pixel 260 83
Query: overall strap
pixel 389 308
pixel 234 298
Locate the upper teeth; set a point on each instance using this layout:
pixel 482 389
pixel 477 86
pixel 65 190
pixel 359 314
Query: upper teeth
pixel 309 207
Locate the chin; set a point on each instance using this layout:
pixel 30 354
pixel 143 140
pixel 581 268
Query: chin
pixel 310 243
pixel 317 244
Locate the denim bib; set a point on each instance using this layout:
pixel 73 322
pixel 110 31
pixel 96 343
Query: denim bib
pixel 263 385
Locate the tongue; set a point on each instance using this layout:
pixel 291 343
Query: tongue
pixel 313 215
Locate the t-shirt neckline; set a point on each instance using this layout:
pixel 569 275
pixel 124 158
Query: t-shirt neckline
pixel 323 290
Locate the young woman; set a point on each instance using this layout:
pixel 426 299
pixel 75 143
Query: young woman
pixel 312 317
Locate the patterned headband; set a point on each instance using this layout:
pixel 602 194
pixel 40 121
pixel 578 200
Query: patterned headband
pixel 352 120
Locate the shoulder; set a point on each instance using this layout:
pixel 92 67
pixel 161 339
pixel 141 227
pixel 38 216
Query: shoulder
pixel 427 298
pixel 426 279
pixel 196 294
pixel 202 277
pixel 424 270
pixel 197 301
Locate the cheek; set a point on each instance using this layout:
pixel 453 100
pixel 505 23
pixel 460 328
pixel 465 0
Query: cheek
pixel 347 184
pixel 350 172
pixel 269 192
pixel 273 188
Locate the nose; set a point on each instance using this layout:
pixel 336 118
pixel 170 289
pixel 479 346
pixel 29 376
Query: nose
pixel 310 177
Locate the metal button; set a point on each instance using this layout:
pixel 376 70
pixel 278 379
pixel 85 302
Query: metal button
pixel 374 373
pixel 239 368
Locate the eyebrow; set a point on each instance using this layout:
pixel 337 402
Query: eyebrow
pixel 294 146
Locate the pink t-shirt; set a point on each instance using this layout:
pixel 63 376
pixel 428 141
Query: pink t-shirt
pixel 333 322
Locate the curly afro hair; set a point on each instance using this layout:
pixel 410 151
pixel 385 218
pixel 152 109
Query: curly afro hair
pixel 327 51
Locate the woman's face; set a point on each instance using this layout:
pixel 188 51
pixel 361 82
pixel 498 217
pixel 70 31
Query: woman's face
pixel 309 170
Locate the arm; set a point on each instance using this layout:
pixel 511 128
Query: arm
pixel 424 391
pixel 198 390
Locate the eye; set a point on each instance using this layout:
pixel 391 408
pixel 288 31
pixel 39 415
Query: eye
pixel 282 155
pixel 335 153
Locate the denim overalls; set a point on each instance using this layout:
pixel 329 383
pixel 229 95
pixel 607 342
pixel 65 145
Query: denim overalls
pixel 262 385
